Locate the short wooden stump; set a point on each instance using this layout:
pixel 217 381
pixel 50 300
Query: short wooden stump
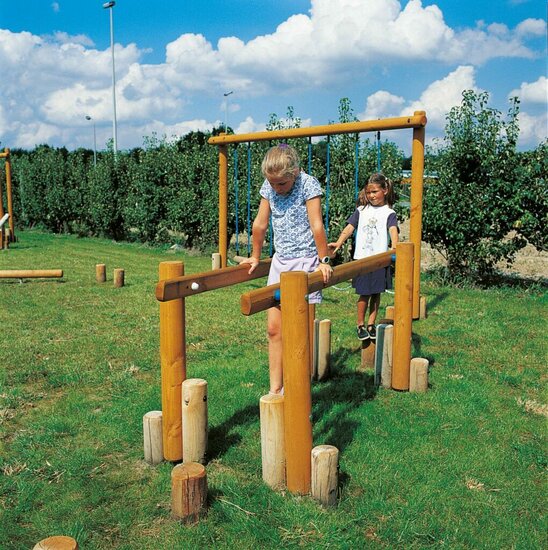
pixel 188 491
pixel 57 543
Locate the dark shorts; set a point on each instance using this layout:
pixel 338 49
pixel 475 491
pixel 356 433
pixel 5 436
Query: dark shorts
pixel 373 283
pixel 279 265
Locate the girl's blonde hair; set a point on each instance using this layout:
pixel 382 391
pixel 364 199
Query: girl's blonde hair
pixel 382 181
pixel 280 161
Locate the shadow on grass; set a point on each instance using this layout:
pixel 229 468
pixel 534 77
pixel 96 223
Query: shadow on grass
pixel 334 400
pixel 221 437
pixel 416 342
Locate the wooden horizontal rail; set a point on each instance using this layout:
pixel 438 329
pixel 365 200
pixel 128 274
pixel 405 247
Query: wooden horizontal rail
pixel 188 285
pixel 264 298
pixel 31 273
pixel 417 120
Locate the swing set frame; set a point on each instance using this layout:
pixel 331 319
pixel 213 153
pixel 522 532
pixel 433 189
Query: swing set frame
pixel 417 122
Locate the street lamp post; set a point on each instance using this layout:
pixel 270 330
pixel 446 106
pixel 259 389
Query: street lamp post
pixel 226 94
pixel 94 142
pixel 109 6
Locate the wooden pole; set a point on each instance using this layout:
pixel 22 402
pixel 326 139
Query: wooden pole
pixel 403 311
pixel 296 377
pixel 415 227
pixel 9 195
pixel 100 273
pixel 215 261
pixel 369 349
pixel 389 312
pixel 386 368
pixel 152 437
pixel 188 491
pixel 422 308
pixel 223 203
pixel 58 542
pixel 418 378
pixel 173 364
pixel 31 273
pixel 194 420
pixel 324 348
pixel 325 474
pixel 119 278
pixel 311 324
pixel 272 440
pixel 315 342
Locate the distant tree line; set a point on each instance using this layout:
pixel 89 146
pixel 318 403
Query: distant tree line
pixel 488 201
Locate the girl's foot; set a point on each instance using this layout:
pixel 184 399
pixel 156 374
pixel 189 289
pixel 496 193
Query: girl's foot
pixel 362 333
pixel 372 331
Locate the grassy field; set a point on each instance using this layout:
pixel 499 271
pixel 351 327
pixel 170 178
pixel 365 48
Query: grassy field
pixel 463 466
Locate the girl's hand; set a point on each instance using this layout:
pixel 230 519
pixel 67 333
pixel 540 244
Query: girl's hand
pixel 327 271
pixel 333 248
pixel 253 262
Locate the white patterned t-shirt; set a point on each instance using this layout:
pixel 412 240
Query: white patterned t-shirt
pixel 292 233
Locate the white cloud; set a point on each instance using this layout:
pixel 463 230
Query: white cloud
pixel 531 27
pixel 532 129
pixel 381 104
pixel 55 6
pixel 532 92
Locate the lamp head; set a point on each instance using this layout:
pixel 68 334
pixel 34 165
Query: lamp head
pixel 107 5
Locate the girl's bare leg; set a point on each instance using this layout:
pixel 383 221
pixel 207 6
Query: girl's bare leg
pixel 374 304
pixel 274 329
pixel 362 308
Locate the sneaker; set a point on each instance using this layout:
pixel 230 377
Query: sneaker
pixel 362 333
pixel 372 332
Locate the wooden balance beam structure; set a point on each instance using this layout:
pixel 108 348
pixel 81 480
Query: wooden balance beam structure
pixel 294 288
pixel 31 273
pixel 171 292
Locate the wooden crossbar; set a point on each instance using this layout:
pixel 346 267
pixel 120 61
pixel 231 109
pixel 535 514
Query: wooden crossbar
pixel 189 285
pixel 264 298
pixel 31 273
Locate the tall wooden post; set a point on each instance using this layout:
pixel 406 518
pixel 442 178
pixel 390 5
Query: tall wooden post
pixel 297 397
pixel 223 203
pixel 173 364
pixel 9 195
pixel 415 227
pixel 403 309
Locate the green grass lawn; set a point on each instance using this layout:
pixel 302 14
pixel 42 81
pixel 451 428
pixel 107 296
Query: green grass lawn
pixel 462 466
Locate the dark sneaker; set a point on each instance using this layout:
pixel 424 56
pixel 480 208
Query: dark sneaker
pixel 372 331
pixel 362 333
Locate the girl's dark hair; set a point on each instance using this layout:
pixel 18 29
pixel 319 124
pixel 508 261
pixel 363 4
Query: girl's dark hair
pixel 384 183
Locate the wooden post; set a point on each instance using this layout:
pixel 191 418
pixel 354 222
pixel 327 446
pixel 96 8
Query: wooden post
pixel 324 348
pixel 296 376
pixel 118 278
pixel 272 440
pixel 188 491
pixel 223 203
pixel 386 368
pixel 379 352
pixel 31 273
pixel 389 312
pixel 418 379
pixel 311 328
pixel 368 354
pixel 315 343
pixel 194 420
pixel 422 312
pixel 9 196
pixel 58 542
pixel 415 225
pixel 215 261
pixel 152 437
pixel 403 311
pixel 173 364
pixel 100 273
pixel 325 474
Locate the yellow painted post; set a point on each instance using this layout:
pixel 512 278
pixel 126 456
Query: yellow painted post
pixel 403 309
pixel 9 195
pixel 223 203
pixel 297 397
pixel 415 227
pixel 173 364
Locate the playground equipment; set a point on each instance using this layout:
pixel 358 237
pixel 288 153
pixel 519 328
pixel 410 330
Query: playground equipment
pixel 416 122
pixel 31 273
pixel 11 231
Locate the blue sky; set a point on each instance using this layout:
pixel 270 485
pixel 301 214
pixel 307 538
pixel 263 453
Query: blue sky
pixel 176 59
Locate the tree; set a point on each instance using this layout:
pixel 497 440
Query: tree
pixel 470 212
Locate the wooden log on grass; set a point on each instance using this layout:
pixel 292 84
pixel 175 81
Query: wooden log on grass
pixel 368 349
pixel 422 308
pixel 58 542
pixel 31 273
pixel 100 273
pixel 272 440
pixel 188 491
pixel 215 261
pixel 418 376
pixel 119 278
pixel 152 437
pixel 173 364
pixel 194 394
pixel 387 350
pixel 324 349
pixel 325 474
